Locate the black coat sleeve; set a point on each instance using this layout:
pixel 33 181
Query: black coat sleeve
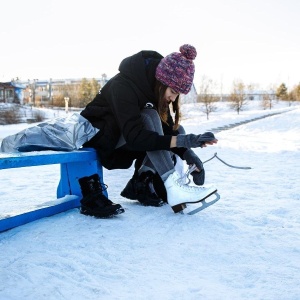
pixel 126 109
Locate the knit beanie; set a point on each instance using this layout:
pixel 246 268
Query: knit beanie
pixel 176 70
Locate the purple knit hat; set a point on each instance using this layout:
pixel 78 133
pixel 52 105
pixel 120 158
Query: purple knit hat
pixel 177 69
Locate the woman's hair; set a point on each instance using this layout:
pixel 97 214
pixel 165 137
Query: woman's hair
pixel 162 106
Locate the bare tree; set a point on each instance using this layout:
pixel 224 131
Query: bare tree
pixel 267 101
pixel 88 90
pixel 238 95
pixel 268 98
pixel 206 96
pixel 294 95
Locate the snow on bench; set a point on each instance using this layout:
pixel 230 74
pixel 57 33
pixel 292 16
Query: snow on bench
pixel 73 165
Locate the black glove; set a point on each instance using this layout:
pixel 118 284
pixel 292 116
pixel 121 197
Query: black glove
pixel 193 140
pixel 192 159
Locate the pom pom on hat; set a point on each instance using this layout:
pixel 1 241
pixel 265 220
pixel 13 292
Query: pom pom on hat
pixel 177 69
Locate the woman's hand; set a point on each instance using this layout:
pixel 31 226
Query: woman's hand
pixel 194 141
pixel 215 141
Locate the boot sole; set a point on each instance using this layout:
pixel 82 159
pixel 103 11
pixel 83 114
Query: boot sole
pixel 128 196
pixel 181 206
pixel 146 203
pixel 153 204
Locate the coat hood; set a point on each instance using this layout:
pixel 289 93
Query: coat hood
pixel 139 69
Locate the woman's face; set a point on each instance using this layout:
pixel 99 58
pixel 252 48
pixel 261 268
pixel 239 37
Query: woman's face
pixel 170 95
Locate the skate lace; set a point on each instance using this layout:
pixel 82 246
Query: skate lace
pixel 184 180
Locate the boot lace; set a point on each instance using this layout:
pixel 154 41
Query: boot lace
pixel 184 181
pixel 99 188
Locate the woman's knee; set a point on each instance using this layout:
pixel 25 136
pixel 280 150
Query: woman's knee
pixel 151 120
pixel 150 113
pixel 181 129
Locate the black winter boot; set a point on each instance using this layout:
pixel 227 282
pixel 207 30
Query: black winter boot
pixel 141 188
pixel 94 203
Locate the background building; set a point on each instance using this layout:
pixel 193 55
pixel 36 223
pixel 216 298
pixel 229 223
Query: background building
pixel 8 93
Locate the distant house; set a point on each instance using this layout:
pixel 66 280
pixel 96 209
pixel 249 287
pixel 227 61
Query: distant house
pixel 7 93
pixel 259 94
pixel 191 97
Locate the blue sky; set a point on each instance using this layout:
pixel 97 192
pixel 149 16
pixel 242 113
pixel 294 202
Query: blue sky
pixel 249 40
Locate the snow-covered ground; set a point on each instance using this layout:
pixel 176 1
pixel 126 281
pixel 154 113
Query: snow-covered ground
pixel 246 246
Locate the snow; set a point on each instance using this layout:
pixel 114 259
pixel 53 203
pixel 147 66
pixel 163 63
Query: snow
pixel 246 246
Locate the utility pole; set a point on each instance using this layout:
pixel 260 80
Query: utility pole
pixel 50 91
pixel 33 91
pixel 221 88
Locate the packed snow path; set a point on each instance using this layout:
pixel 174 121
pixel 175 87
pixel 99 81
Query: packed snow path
pixel 230 126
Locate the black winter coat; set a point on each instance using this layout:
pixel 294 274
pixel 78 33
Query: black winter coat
pixel 116 109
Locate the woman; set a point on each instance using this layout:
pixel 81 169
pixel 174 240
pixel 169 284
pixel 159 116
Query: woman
pixel 129 111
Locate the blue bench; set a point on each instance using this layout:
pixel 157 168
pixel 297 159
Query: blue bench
pixel 73 165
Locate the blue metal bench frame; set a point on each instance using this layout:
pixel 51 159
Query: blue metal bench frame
pixel 73 165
